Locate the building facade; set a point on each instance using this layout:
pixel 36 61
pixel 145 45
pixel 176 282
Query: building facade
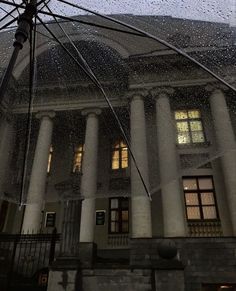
pixel 180 125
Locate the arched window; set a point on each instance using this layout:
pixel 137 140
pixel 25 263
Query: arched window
pixel 78 157
pixel 119 155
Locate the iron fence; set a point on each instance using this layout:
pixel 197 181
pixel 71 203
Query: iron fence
pixel 24 260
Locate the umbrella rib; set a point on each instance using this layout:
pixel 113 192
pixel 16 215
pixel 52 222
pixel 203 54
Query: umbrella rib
pixel 8 23
pixel 17 7
pixel 69 19
pixel 93 78
pixel 32 42
pixel 149 35
pixel 8 13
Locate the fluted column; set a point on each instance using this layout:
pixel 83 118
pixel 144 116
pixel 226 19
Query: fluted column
pixel 36 192
pixel 226 146
pixel 140 203
pixel 172 194
pixel 89 175
pixel 7 136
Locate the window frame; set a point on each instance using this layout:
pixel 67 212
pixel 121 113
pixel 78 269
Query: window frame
pixel 119 209
pixel 200 205
pixel 119 149
pixel 189 120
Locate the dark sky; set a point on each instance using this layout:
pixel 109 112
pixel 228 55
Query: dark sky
pixel 210 10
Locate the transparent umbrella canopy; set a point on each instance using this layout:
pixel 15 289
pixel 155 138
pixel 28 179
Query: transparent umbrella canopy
pixel 100 54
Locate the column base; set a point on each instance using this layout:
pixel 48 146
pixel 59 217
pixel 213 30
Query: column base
pixel 87 254
pixel 64 274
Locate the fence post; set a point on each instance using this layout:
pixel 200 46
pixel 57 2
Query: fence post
pixel 52 246
pixel 12 264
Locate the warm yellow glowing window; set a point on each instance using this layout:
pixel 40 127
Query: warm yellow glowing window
pixel 50 159
pixel 78 157
pixel 189 127
pixel 119 155
pixel 199 194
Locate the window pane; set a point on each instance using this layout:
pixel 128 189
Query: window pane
pixel 205 183
pixel 183 138
pixel 77 162
pixel 190 184
pixel 115 160
pixel 181 114
pixel 124 203
pixel 114 227
pixel 191 199
pixel 124 158
pixel 125 227
pixel 114 215
pixel 114 203
pixel 182 126
pixel 198 136
pixel 209 212
pixel 117 145
pixel 207 198
pixel 196 125
pixel 194 114
pixel 125 215
pixel 193 213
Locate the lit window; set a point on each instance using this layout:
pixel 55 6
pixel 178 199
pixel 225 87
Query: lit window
pixel 50 159
pixel 119 155
pixel 200 198
pixel 119 215
pixel 78 157
pixel 189 127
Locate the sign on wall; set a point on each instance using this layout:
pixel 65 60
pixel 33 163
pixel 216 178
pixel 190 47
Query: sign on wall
pixel 50 219
pixel 100 217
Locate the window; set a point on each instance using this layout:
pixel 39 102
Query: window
pixel 199 197
pixel 78 157
pixel 50 159
pixel 119 215
pixel 189 127
pixel 119 155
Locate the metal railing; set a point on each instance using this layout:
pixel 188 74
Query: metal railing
pixel 118 240
pixel 204 228
pixel 22 256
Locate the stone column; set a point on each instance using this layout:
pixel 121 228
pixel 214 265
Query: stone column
pixel 7 137
pixel 89 175
pixel 226 147
pixel 140 203
pixel 36 192
pixel 172 194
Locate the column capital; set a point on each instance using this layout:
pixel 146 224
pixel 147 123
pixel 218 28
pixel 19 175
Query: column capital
pixel 137 94
pixel 91 110
pixel 158 92
pixel 41 114
pixel 215 86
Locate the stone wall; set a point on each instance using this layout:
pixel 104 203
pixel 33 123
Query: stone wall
pixel 205 260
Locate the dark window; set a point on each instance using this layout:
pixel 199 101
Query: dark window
pixel 189 126
pixel 119 158
pixel 199 197
pixel 119 215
